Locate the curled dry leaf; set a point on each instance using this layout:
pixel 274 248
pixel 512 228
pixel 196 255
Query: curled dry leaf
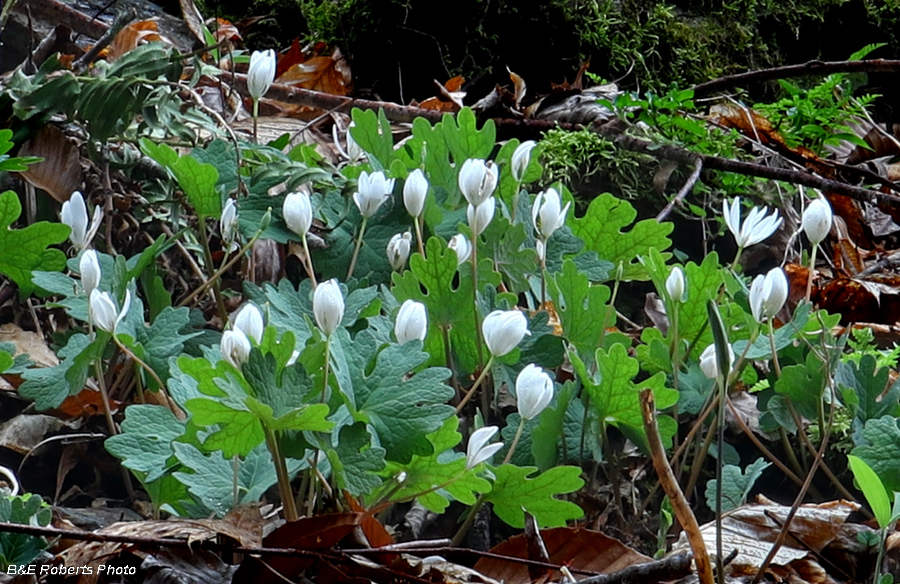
pixel 60 172
pixel 136 33
pixel 816 529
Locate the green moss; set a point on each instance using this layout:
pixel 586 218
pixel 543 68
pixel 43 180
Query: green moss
pixel 592 164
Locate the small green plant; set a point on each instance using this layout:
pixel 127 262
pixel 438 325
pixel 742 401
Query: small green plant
pixel 18 549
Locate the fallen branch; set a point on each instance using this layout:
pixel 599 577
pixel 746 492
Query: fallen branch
pixel 803 69
pixel 748 168
pixel 406 114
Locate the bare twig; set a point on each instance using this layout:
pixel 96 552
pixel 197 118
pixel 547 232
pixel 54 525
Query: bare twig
pixel 667 479
pixel 663 570
pixel 685 190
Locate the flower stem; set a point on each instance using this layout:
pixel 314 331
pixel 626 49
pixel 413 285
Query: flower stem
pixel 772 345
pixel 417 221
pixel 308 263
pixel 737 257
pixel 255 116
pixel 474 260
pixel 284 482
pixel 326 367
pixel 475 385
pixel 362 230
pixel 207 254
pixel 515 442
pixel 812 269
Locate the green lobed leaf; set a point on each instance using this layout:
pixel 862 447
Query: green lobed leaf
pixel 164 339
pixel 442 468
pixel 582 308
pixel 17 549
pixel 49 386
pixel 372 133
pixel 736 484
pixel 882 451
pixel 515 492
pixel 464 139
pixel 601 229
pixel 212 476
pixel 615 397
pixel 448 299
pixel 403 408
pixel 868 387
pixel 355 462
pixel 146 442
pixel 196 179
pixel 506 244
pixel 23 251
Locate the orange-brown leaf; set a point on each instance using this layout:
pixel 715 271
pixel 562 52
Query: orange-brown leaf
pixel 325 74
pixel 133 35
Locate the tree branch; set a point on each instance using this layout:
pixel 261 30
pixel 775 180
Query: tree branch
pixel 803 69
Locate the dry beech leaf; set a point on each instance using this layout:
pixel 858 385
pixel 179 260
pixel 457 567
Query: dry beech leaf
pixel 60 172
pixel 28 343
pixel 324 74
pixel 133 35
pixel 576 548
pixel 519 87
pixel 751 529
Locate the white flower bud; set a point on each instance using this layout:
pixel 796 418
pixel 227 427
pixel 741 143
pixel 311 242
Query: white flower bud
pixel 372 190
pixel 414 190
pixel 103 310
pixel 503 330
pixel 89 267
pixel 411 323
pixel 228 225
pixel 709 363
pixel 675 285
pixel 768 294
pixel 398 248
pixel 546 214
pixel 520 159
pixel 74 214
pixel 534 390
pixel 261 73
pixel 298 213
pixel 249 320
pixel 480 217
pixel 328 306
pixel 478 449
pixel 817 219
pixel 461 246
pixel 477 180
pixel 235 347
